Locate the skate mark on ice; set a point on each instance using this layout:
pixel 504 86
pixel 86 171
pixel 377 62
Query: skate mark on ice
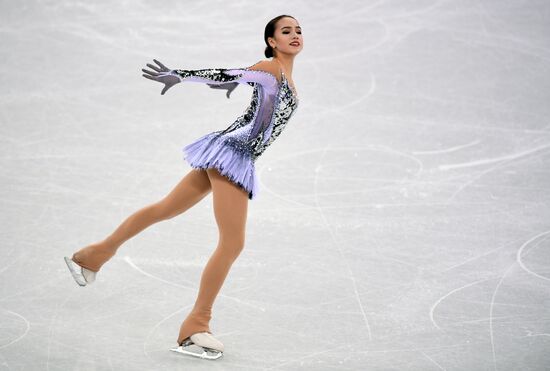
pixel 345 346
pixel 432 360
pixel 491 313
pixel 335 242
pixel 51 326
pixel 510 157
pixel 150 334
pixel 438 301
pixel 446 150
pixel 27 324
pixel 520 261
pixel 501 163
pixel 131 263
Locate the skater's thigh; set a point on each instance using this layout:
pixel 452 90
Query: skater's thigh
pixel 191 189
pixel 230 205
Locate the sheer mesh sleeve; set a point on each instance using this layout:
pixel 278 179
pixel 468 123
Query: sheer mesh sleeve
pixel 229 78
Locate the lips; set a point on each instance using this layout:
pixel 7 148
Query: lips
pixel 295 44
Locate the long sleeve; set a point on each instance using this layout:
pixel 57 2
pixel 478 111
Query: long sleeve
pixel 228 78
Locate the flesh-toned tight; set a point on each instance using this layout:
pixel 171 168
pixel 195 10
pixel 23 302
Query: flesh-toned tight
pixel 230 210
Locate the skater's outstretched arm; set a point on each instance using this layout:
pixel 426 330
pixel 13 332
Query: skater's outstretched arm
pixel 217 78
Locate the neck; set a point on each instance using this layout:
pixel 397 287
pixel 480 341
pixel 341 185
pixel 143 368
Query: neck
pixel 286 63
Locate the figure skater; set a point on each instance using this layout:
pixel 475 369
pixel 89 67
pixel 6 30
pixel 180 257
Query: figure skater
pixel 222 162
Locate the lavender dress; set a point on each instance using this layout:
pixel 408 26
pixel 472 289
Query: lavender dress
pixel 233 151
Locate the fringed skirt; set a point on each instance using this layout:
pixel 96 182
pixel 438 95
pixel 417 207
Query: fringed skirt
pixel 229 155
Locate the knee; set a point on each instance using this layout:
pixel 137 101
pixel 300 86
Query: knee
pixel 232 245
pixel 162 210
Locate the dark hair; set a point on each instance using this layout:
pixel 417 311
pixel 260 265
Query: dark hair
pixel 270 31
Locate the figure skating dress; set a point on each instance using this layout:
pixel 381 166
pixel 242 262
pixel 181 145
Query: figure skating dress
pixel 233 151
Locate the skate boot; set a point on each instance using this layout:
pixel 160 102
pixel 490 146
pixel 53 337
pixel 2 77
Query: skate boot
pixel 81 275
pixel 86 262
pixel 208 346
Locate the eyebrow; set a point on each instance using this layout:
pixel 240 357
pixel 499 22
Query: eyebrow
pixel 291 27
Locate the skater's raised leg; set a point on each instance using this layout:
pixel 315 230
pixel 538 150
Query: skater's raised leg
pixel 230 210
pixel 191 189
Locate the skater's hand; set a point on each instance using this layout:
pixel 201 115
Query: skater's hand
pixel 162 74
pixel 230 86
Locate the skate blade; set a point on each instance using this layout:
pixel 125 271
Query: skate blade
pixel 76 272
pixel 207 353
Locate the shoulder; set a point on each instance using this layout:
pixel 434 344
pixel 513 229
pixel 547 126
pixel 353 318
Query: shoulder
pixel 268 66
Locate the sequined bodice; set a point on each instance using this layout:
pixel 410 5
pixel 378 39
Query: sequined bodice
pixel 287 104
pixel 284 105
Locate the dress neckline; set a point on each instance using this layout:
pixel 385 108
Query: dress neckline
pixel 294 93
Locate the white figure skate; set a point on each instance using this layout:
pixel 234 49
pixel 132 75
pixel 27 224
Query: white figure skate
pixel 81 275
pixel 211 347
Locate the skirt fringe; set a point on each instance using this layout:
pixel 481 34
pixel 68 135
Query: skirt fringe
pixel 225 154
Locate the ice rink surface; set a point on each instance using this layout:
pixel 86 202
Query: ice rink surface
pixel 403 217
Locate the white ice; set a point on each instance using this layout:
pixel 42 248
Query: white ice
pixel 403 217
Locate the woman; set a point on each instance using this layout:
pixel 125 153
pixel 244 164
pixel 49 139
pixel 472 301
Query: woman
pixel 222 162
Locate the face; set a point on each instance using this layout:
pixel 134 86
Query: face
pixel 287 33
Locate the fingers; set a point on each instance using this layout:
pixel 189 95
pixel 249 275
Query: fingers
pixel 153 67
pixel 150 72
pixel 166 87
pixel 150 77
pixel 161 65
